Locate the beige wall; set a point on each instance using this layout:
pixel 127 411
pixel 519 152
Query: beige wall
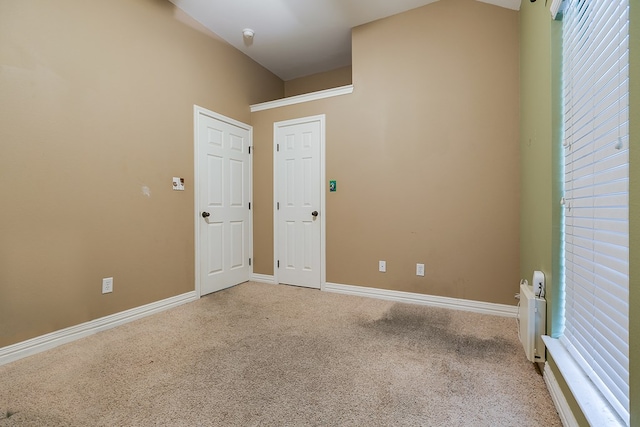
pixel 96 102
pixel 321 81
pixel 426 155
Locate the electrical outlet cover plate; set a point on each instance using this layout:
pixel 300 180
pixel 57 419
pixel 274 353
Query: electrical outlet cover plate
pixel 382 266
pixel 107 285
pixel 419 269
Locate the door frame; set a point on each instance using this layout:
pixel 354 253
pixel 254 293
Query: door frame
pixel 197 111
pixel 323 207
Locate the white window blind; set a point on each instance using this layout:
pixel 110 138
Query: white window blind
pixel 596 193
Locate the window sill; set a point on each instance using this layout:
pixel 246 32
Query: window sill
pixel 593 405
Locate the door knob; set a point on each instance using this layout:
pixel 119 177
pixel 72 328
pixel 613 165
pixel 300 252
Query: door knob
pixel 314 214
pixel 205 214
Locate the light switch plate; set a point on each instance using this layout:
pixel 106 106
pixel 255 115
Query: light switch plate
pixel 178 183
pixel 382 266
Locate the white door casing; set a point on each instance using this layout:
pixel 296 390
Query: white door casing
pixel 299 202
pixel 222 201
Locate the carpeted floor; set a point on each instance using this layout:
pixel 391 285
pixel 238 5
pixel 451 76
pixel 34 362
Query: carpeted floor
pixel 274 355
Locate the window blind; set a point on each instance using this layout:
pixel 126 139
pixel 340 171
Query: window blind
pixel 596 193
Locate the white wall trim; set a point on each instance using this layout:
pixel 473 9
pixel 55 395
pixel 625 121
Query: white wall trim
pixel 430 300
pixel 263 278
pixel 556 5
pixel 299 99
pixel 562 406
pixel 45 342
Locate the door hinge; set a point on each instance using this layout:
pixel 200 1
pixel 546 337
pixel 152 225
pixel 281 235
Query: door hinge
pixel 278 263
pixel 249 149
pixel 278 205
pixel 277 147
pixel 249 205
pixel 249 261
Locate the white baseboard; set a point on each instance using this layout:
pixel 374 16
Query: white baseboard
pixel 263 278
pixel 431 300
pixel 566 415
pixel 45 342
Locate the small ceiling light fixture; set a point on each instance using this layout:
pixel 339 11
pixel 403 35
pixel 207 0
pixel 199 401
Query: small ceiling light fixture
pixel 248 33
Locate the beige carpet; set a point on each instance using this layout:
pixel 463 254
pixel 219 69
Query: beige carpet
pixel 274 355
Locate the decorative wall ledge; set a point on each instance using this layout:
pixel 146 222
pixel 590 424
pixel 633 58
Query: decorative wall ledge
pixel 299 99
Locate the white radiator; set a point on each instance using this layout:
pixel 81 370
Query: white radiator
pixel 532 323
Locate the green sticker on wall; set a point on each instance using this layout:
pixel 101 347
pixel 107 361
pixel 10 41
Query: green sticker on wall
pixel 332 186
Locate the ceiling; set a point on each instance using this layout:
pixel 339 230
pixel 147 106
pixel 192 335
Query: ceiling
pixel 295 38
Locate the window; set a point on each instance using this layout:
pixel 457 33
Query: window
pixel 596 187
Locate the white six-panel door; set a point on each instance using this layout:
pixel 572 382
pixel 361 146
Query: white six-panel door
pixel 223 212
pixel 299 216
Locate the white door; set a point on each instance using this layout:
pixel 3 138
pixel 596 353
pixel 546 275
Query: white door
pixel 299 201
pixel 223 219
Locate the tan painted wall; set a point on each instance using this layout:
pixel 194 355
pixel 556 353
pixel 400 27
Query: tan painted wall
pixel 96 102
pixel 321 81
pixel 426 155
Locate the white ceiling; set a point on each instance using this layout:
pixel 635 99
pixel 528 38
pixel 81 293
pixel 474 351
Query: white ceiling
pixel 295 38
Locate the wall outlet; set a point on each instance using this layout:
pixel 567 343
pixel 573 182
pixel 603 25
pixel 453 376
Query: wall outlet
pixel 419 269
pixel 382 266
pixel 107 285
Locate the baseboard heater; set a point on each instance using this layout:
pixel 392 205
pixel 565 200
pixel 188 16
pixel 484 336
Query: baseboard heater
pixel 532 312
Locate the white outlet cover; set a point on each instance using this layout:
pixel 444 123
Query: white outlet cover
pixel 419 269
pixel 107 285
pixel 382 266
